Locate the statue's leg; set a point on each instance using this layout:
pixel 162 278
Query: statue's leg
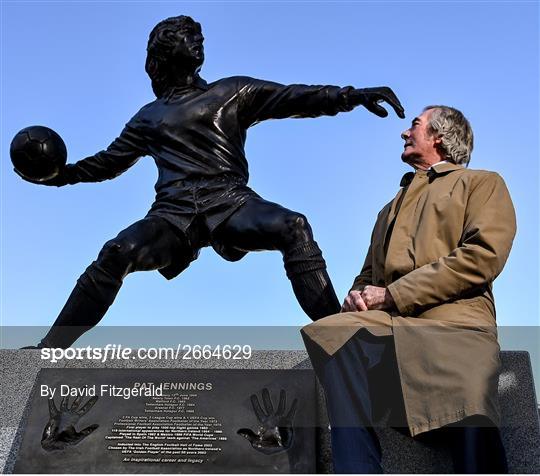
pixel 262 225
pixel 148 244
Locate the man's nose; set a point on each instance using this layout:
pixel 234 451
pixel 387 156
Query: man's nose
pixel 405 134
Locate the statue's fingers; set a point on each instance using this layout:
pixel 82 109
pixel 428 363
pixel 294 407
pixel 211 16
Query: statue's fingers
pixel 257 408
pixel 396 104
pixel 76 402
pixel 247 434
pixel 28 179
pixel 400 111
pixel 53 411
pixel 282 403
pixel 268 405
pixel 292 411
pixel 64 403
pixel 388 95
pixel 377 109
pixel 87 406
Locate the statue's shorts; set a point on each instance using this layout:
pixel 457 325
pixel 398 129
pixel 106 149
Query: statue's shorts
pixel 194 209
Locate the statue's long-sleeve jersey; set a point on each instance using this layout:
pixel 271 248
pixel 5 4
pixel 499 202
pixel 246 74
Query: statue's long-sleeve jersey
pixel 200 130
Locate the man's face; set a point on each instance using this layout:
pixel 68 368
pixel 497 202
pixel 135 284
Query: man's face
pixel 420 147
pixel 189 47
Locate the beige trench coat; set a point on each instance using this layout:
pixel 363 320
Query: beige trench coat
pixel 438 257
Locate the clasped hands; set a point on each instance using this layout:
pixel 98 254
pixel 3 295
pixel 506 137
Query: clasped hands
pixel 371 297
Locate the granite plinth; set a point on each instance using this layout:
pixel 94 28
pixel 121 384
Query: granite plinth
pixel 520 431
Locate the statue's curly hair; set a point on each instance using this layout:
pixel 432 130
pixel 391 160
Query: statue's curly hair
pixel 160 45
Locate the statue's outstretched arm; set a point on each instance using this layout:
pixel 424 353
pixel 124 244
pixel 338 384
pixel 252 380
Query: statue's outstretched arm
pixel 123 152
pixel 262 100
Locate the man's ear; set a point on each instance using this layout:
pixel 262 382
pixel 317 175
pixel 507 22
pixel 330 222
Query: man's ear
pixel 437 143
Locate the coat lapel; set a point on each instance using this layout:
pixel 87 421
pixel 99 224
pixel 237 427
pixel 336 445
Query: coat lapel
pixel 394 208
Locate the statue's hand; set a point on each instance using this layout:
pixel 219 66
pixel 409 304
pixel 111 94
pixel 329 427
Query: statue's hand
pixel 59 181
pixel 60 431
pixel 275 433
pixel 371 98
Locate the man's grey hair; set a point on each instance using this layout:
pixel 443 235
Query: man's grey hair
pixel 455 132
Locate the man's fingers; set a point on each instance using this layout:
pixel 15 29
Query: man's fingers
pixel 359 303
pixel 374 297
pixel 347 306
pixel 366 298
pixel 354 302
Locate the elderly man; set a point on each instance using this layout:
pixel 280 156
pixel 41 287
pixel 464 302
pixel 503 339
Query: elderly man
pixel 422 308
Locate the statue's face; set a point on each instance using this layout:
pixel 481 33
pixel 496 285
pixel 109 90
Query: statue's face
pixel 189 47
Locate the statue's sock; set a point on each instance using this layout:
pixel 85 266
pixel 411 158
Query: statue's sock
pixel 311 284
pixel 87 304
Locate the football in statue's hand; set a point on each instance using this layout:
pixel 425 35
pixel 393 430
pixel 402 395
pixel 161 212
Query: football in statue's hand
pixel 38 153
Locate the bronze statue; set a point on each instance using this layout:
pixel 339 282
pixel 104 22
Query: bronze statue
pixel 196 131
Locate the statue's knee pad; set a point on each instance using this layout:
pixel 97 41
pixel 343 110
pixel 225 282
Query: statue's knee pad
pixel 295 230
pixel 118 256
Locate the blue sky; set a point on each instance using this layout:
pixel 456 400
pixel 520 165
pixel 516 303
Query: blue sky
pixel 78 67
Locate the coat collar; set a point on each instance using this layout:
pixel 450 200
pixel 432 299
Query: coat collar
pixel 442 168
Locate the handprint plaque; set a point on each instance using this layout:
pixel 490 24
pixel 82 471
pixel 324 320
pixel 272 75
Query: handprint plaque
pixel 275 432
pixel 60 430
pixel 195 421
